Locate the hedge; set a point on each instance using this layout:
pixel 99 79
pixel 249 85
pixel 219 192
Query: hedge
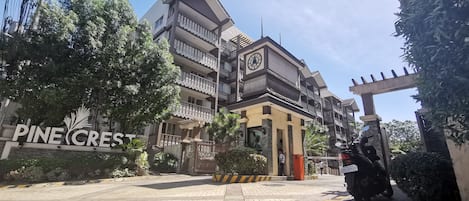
pixel 425 176
pixel 62 167
pixel 242 161
pixel 165 162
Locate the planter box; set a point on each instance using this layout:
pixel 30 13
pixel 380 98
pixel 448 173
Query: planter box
pixel 223 178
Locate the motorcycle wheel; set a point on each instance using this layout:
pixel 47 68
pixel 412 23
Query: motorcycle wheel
pixel 388 192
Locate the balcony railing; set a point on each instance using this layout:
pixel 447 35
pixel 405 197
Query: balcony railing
pixel 318 113
pixel 195 54
pixel 198 83
pixel 197 29
pixel 193 111
pixel 337 109
pixel 169 140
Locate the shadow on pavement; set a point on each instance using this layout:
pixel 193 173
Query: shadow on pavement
pixel 398 195
pixel 179 184
pixel 337 194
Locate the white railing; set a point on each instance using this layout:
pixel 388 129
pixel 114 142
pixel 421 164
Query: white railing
pixel 169 140
pixel 318 113
pixel 198 83
pixel 195 54
pixel 193 111
pixel 197 29
pixel 337 109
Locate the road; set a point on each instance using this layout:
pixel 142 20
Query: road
pixel 183 187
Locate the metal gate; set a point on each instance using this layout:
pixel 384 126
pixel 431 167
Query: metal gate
pixel 205 157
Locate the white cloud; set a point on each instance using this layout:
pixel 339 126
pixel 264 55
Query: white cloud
pixel 353 34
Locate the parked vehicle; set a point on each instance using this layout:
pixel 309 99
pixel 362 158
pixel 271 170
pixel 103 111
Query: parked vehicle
pixel 365 177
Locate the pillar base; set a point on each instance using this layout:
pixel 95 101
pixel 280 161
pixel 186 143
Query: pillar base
pixel 372 117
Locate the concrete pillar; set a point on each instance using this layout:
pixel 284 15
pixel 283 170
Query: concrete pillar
pixel 185 136
pixel 368 104
pixel 266 142
pixel 196 132
pixel 378 140
pixel 244 133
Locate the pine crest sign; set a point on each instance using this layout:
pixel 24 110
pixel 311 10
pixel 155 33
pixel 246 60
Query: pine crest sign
pixel 73 133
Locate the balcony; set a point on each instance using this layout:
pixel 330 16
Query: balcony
pixel 338 122
pixel 197 29
pixel 195 55
pixel 303 89
pixel 224 72
pixel 337 109
pixel 318 113
pixel 193 111
pixel 167 140
pixel 197 83
pixel 228 48
pixel 223 95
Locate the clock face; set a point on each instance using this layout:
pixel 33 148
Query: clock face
pixel 254 61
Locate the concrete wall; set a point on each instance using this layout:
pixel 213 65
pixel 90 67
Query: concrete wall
pixel 282 67
pixel 279 122
pixel 155 12
pixel 460 158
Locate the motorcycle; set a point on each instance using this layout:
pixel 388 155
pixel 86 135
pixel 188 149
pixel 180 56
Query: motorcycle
pixel 365 177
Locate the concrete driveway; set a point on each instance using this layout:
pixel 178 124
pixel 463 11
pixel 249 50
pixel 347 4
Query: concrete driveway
pixel 183 187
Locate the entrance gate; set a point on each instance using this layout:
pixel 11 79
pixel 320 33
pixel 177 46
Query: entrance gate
pixel 204 157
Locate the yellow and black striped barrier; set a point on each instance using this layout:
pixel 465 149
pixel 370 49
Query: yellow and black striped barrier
pixel 240 178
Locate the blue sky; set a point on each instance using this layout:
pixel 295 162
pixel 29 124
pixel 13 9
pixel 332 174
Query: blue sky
pixel 343 39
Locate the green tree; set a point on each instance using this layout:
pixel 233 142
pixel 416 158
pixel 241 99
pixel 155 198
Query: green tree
pixel 404 136
pixel 91 52
pixel 224 128
pixel 437 46
pixel 316 139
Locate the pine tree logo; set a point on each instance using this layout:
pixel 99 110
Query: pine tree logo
pixel 77 120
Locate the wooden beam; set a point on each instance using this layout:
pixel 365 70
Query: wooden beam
pixel 383 86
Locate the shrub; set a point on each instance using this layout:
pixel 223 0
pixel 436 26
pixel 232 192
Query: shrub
pixel 425 176
pixel 119 173
pixel 165 162
pixel 61 166
pixel 58 174
pixel 241 161
pixel 28 174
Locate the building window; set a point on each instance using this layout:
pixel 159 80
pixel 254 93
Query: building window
pixel 191 99
pixel 302 122
pixel 243 114
pixel 266 110
pixel 288 117
pixel 158 24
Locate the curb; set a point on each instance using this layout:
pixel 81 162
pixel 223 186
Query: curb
pixel 227 179
pixel 72 183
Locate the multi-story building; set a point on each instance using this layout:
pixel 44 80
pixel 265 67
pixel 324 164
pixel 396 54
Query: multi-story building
pixel 275 93
pixel 193 29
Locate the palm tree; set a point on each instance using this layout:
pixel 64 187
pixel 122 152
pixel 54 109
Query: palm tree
pixel 316 139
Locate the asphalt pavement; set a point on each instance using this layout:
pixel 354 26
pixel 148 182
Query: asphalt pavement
pixel 184 187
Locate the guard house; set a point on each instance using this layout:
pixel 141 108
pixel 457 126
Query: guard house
pixel 269 101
